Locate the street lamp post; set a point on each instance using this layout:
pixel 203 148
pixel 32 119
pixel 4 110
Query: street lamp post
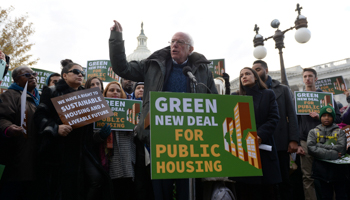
pixel 302 35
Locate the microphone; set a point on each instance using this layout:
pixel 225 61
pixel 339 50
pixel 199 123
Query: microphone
pixel 187 71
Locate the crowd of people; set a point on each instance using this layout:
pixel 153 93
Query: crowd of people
pixel 46 159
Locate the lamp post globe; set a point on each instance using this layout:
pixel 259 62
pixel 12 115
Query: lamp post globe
pixel 302 35
pixel 260 52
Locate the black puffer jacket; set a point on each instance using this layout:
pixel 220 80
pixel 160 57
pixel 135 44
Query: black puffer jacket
pixel 65 154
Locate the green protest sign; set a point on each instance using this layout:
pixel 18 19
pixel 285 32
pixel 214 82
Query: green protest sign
pixel 101 69
pixel 335 85
pixel 203 135
pixel 306 102
pixel 345 159
pixel 217 67
pixel 126 114
pixel 42 76
pixel 6 82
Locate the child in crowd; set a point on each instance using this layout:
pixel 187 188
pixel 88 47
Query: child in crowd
pixel 328 142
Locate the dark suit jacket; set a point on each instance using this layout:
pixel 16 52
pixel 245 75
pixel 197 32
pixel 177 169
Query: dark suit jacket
pixel 287 128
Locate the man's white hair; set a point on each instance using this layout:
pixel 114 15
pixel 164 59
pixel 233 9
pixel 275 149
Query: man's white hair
pixel 190 39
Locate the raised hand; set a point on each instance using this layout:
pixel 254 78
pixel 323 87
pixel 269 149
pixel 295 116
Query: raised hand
pixel 116 27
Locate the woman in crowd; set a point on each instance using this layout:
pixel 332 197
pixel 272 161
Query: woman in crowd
pixel 17 142
pixel 266 118
pixel 94 82
pixel 68 157
pixel 122 156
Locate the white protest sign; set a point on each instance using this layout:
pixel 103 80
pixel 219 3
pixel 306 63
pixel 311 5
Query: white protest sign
pixel 23 109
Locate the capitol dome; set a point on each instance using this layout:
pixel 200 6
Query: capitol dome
pixel 141 52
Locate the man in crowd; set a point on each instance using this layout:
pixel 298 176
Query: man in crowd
pixel 162 71
pixel 286 134
pixel 306 123
pixel 128 87
pixel 53 79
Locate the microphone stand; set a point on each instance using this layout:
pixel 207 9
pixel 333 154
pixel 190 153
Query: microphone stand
pixel 192 181
pixel 193 86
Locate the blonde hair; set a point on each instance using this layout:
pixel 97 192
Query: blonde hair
pixel 122 96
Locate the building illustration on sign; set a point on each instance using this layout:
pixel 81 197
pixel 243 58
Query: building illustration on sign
pixel 113 75
pixel 339 84
pixel 219 68
pixel 326 101
pixel 132 114
pixel 238 139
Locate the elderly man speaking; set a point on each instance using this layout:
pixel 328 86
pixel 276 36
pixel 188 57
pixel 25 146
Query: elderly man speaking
pixel 162 71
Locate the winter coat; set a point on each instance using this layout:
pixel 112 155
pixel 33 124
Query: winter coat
pixel 318 149
pixel 306 123
pixel 266 118
pixel 18 154
pixel 66 154
pixel 287 128
pixel 154 71
pixel 124 155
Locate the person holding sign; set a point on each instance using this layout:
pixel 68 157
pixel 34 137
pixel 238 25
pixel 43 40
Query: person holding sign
pixel 286 134
pixel 122 158
pixel 163 71
pixel 18 142
pixel 328 142
pixel 266 118
pixel 306 123
pixel 69 162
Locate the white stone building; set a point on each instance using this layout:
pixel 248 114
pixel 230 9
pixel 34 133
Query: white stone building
pixel 325 70
pixel 141 52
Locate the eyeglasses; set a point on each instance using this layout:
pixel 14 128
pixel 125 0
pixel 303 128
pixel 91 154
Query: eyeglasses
pixel 28 75
pixel 77 72
pixel 179 42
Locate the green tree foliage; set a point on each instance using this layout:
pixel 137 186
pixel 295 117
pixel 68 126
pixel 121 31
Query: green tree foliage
pixel 14 38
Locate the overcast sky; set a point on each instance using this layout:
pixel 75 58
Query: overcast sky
pixel 79 30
